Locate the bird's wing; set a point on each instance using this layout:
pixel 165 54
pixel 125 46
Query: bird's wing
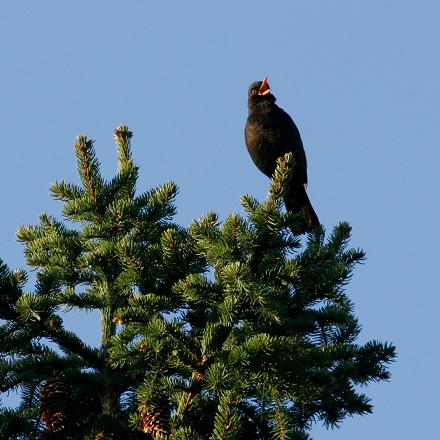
pixel 290 131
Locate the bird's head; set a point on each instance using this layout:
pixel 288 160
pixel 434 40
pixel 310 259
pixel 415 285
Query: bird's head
pixel 259 91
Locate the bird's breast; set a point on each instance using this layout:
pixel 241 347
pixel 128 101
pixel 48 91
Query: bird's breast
pixel 262 145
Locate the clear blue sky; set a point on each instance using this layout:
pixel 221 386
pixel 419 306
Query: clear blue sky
pixel 361 79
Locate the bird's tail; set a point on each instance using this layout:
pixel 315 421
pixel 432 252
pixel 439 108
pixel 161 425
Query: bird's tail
pixel 297 201
pixel 312 219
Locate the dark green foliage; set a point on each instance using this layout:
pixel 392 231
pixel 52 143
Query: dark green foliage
pixel 113 257
pixel 233 330
pixel 262 343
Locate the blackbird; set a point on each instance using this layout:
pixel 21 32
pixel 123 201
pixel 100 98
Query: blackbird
pixel 270 133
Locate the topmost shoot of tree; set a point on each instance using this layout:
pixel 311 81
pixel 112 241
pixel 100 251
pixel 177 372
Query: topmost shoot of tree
pixel 228 330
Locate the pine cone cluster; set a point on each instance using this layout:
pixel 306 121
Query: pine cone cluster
pixel 156 421
pixel 54 396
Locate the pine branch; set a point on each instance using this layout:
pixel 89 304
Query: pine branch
pixel 227 421
pixel 88 166
pixel 70 343
pixel 122 137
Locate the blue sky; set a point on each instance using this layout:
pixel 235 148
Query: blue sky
pixel 361 80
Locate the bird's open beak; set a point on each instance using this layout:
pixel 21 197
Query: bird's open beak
pixel 264 88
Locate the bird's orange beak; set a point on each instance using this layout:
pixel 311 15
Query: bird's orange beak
pixel 264 88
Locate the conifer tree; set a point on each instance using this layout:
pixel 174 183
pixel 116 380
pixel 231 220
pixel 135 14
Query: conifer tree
pixel 263 343
pixel 224 330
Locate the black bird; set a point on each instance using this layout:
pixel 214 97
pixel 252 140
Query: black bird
pixel 270 133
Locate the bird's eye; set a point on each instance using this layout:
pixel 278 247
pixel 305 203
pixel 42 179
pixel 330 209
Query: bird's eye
pixel 253 92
